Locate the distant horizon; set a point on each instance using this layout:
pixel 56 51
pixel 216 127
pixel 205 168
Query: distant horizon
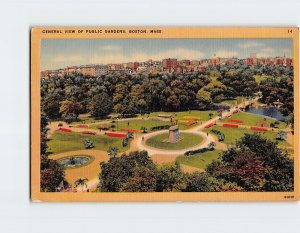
pixel 61 53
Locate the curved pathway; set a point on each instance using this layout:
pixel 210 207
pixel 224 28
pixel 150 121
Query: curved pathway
pixel 90 171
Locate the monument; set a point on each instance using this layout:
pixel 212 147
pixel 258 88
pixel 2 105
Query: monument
pixel 173 134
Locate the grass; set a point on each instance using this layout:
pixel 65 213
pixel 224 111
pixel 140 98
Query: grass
pixel 63 142
pixel 135 124
pixel 187 140
pixel 233 102
pixel 200 160
pixel 232 135
pixel 251 119
pixel 204 115
pixel 259 78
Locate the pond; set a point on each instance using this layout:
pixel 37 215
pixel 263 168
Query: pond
pixel 268 112
pixel 75 161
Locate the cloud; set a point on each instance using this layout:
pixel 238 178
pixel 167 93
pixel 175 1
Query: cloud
pixel 250 44
pixel 179 53
pixel 227 54
pixel 67 58
pixel 268 50
pixel 263 55
pixel 110 48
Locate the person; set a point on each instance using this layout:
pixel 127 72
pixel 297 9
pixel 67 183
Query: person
pixel 143 138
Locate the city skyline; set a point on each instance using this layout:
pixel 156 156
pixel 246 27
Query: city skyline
pixel 59 53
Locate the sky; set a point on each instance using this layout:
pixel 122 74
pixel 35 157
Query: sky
pixel 59 53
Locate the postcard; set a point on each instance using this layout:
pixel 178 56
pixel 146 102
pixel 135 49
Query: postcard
pixel 164 114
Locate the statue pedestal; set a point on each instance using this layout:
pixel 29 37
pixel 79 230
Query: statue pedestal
pixel 173 134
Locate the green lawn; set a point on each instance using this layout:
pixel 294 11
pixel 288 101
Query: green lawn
pixel 251 119
pixel 232 135
pixel 135 124
pixel 259 78
pixel 233 102
pixel 200 160
pixel 204 115
pixel 70 141
pixel 187 140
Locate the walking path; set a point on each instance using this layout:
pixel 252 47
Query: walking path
pixel 141 145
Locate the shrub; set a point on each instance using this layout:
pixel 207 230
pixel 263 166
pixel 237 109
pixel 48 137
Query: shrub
pixel 210 147
pixel 88 143
pixel 125 142
pixel 220 135
pixel 160 127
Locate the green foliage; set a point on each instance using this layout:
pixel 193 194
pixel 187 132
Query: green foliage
pixel 170 178
pixel 88 143
pixel 81 182
pixel 281 135
pixel 133 172
pixel 201 182
pixel 144 129
pixel 52 174
pixel 220 135
pixel 100 105
pixel 44 130
pixel 69 117
pixel 113 152
pixel 255 165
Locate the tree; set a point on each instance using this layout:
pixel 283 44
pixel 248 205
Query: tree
pixel 69 117
pixel 142 180
pixel 112 152
pixel 52 174
pixel 50 106
pixel 70 106
pixel 44 130
pixel 133 172
pixel 281 135
pixel 81 182
pixel 170 178
pixel 201 182
pixel 101 105
pixel 144 129
pixel 256 164
pixel 88 143
pixel 203 99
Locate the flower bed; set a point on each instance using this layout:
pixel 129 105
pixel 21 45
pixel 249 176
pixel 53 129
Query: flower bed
pixel 258 128
pixel 83 125
pixel 235 121
pixel 189 123
pixel 65 130
pixel 230 125
pixel 192 117
pixel 130 130
pixel 89 132
pixel 183 121
pixel 116 135
pixel 103 127
pixel 209 125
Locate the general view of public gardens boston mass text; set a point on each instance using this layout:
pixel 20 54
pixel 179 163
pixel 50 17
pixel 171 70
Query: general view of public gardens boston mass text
pixel 166 115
